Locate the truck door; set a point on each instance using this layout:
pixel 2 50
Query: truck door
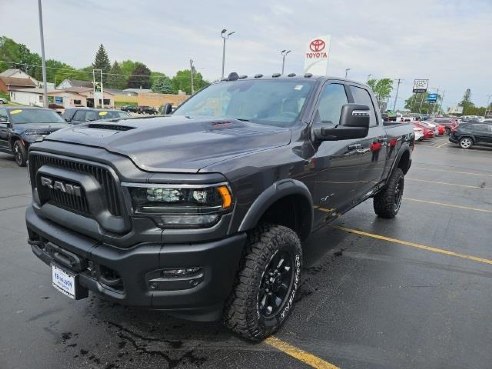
pixel 4 129
pixel 335 164
pixel 373 150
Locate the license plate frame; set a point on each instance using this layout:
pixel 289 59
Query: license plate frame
pixel 64 281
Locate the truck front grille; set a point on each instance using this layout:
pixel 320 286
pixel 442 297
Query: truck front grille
pixel 71 202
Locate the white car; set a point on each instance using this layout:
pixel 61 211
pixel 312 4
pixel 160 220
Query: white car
pixel 3 101
pixel 419 133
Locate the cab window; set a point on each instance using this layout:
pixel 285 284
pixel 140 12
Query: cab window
pixel 332 98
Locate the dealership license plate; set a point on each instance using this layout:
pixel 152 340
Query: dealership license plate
pixel 63 281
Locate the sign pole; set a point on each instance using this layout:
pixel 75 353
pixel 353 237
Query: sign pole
pixel 43 56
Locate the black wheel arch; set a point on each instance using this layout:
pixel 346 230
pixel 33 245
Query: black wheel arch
pixel 287 202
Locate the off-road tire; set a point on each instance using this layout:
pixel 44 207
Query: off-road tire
pixel 20 153
pixel 388 201
pixel 243 309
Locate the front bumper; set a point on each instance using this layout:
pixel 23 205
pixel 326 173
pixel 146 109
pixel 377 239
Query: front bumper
pixel 134 276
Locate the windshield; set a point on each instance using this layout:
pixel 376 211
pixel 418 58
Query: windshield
pixel 274 102
pixel 21 116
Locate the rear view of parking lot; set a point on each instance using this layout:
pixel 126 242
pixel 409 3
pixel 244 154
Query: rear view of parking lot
pixel 412 292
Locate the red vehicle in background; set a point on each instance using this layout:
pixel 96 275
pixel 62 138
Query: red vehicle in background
pixel 428 132
pixel 448 123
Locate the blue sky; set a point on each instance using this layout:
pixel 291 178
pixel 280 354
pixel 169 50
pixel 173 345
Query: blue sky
pixel 447 41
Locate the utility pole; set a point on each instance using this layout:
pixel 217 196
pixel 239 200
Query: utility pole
pixel 225 36
pixel 346 72
pixel 192 71
pixel 284 54
pixel 440 103
pixel 396 96
pixel 487 106
pixel 43 56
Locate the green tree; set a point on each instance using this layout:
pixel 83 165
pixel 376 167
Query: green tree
pixel 116 79
pixel 140 78
pixel 163 85
pixel 127 67
pixel 182 81
pixel 68 72
pixel 101 61
pixel 417 103
pixel 382 88
pixel 467 104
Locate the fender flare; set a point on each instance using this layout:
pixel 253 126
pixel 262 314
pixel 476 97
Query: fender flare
pixel 405 148
pixel 268 197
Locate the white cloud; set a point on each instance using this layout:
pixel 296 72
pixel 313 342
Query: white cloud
pixel 444 40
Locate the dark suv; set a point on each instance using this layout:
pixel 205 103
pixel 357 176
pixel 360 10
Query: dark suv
pixel 21 126
pixel 82 115
pixel 469 134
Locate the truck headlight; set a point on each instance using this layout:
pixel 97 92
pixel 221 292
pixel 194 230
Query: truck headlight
pixel 181 206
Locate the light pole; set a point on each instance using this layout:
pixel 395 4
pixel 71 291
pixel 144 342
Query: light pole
pixel 43 57
pixel 284 54
pixel 396 96
pixel 346 72
pixel 192 72
pixel 225 35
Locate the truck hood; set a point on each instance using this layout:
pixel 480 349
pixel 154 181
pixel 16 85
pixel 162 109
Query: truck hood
pixel 175 144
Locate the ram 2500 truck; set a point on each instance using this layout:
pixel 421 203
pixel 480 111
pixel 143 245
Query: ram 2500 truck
pixel 202 213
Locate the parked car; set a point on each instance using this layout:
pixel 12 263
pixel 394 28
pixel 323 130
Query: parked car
pixel 419 132
pixel 130 108
pixel 202 213
pixel 3 101
pixel 448 123
pixel 22 126
pixel 469 134
pixel 428 132
pixel 144 109
pixel 82 115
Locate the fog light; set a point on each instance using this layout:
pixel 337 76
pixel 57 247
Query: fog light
pixel 178 273
pixel 199 220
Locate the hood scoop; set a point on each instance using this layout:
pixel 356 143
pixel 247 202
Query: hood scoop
pixel 112 127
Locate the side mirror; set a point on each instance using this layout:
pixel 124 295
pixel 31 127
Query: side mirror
pixel 167 109
pixel 354 123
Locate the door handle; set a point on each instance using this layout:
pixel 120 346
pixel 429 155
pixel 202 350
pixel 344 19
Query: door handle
pixel 355 147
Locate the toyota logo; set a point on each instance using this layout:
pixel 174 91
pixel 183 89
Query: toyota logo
pixel 317 45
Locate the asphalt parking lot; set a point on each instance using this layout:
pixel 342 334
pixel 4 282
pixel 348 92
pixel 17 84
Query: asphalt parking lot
pixel 412 292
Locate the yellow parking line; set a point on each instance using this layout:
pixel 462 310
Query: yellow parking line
pixel 301 355
pixel 448 184
pixel 451 171
pixel 415 245
pixel 449 205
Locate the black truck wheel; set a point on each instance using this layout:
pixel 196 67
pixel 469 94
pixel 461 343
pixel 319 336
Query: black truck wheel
pixel 20 153
pixel 266 284
pixel 387 202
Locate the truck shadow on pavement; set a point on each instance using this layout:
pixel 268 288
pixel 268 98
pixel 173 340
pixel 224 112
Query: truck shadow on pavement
pixel 123 336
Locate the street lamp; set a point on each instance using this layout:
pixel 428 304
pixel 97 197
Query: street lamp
pixel 284 54
pixel 225 35
pixel 43 57
pixel 346 72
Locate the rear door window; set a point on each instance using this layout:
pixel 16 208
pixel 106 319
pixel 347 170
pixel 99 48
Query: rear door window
pixel 79 116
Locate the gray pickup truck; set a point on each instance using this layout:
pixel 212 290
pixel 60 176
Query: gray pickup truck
pixel 202 213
